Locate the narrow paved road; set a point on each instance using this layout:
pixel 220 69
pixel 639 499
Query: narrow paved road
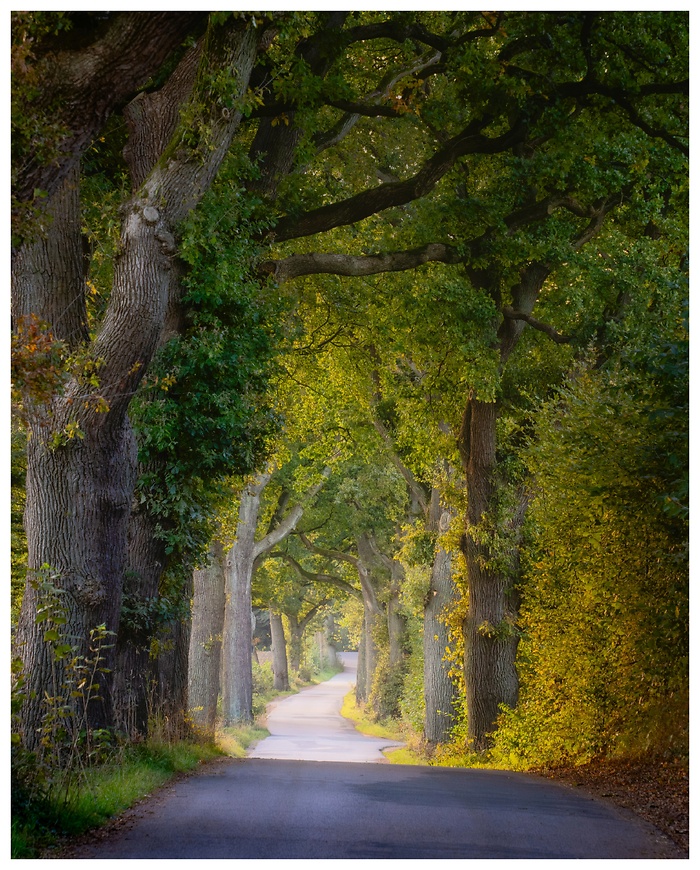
pixel 274 807
pixel 309 727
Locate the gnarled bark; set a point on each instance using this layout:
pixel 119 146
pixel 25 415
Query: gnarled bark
pixel 79 488
pixel 206 639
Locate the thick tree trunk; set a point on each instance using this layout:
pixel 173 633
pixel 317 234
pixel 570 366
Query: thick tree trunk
pixel 279 653
pixel 173 671
pixel 237 691
pixel 439 689
pixel 133 672
pixel 489 636
pixel 205 639
pixel 78 498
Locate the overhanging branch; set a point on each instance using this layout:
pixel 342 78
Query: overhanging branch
pixel 299 265
pixel 369 202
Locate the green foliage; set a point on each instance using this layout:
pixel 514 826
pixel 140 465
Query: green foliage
pixel 130 774
pixel 203 412
pixel 412 700
pixel 604 659
pixel 263 687
pixel 67 744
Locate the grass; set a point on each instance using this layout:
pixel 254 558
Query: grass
pixel 103 792
pixel 234 741
pixel 391 730
pixel 414 752
pixel 134 772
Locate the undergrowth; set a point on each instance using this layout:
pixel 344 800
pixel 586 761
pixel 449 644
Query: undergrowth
pixel 102 792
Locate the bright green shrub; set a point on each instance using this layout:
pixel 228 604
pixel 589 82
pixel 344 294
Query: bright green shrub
pixel 604 657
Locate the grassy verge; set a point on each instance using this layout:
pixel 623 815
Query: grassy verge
pixel 102 792
pixel 134 772
pixel 391 730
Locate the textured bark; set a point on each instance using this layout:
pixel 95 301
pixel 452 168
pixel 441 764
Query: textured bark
pixel 86 74
pixel 49 273
pixel 206 639
pixel 134 674
pixel 279 653
pixel 490 642
pixel 172 676
pixel 79 493
pixel 78 498
pixel 439 689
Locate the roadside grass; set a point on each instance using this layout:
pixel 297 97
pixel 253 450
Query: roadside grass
pixel 40 824
pixel 102 792
pixel 415 751
pixel 237 739
pixel 389 729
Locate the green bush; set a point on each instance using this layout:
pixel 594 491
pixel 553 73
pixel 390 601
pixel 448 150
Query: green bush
pixel 604 657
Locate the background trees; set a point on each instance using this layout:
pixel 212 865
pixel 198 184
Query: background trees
pixel 436 216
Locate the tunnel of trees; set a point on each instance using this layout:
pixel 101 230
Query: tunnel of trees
pixel 372 324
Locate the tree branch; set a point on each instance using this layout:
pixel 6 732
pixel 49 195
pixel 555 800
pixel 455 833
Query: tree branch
pixel 298 265
pixel 417 491
pixel 511 313
pixel 287 525
pixel 315 576
pixel 392 194
pixel 82 89
pixel 328 554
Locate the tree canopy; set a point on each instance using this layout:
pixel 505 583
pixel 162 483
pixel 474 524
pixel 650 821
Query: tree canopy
pixel 409 287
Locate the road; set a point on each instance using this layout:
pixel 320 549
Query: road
pixel 308 727
pixel 279 807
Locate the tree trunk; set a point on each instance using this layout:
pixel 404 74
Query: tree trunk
pixel 238 635
pixel 439 689
pixel 205 639
pixel 173 671
pixel 134 672
pixel 489 636
pixel 237 689
pixel 368 654
pixel 78 498
pixel 279 653
pixel 295 646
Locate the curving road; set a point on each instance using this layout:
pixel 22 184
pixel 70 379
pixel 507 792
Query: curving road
pixel 274 806
pixel 309 727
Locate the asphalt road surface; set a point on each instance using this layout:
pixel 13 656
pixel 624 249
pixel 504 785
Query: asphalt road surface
pixel 277 807
pixel 309 727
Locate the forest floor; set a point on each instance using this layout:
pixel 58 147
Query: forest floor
pixel 656 791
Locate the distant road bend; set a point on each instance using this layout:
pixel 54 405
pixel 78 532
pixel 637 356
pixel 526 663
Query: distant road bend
pixel 307 791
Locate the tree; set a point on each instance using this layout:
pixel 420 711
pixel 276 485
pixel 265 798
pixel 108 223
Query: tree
pixel 506 145
pixel 240 563
pixel 204 676
pixel 605 597
pixel 82 451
